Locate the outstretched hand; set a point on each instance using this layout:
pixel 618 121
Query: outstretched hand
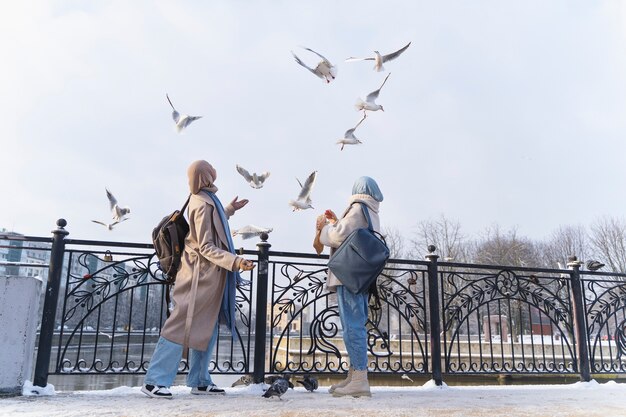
pixel 238 204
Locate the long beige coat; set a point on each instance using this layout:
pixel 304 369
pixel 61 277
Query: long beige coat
pixel 352 219
pixel 206 255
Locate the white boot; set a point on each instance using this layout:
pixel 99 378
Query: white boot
pixel 357 387
pixel 342 383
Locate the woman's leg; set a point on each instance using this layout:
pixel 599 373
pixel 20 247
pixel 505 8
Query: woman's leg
pixel 353 311
pixel 199 364
pixel 164 363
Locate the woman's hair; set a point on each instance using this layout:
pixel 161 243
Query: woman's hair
pixel 367 185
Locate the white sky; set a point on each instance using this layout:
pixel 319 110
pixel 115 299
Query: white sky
pixel 583 399
pixel 499 112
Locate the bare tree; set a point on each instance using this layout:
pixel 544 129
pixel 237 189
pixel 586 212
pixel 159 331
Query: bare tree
pixel 565 242
pixel 507 248
pixel 395 242
pixel 608 235
pixel 445 234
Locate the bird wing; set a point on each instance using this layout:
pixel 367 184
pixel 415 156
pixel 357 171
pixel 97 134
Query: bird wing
pixel 371 97
pixel 360 121
pixel 263 176
pixel 354 59
pixel 299 61
pixel 244 173
pixel 299 183
pixel 104 224
pixel 308 186
pixel 175 114
pixel 396 54
pixel 318 54
pixel 112 200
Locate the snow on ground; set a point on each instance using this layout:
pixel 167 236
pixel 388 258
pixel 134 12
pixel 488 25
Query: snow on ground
pixel 581 399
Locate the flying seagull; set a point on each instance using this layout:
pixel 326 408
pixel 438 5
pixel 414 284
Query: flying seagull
pixel 348 137
pixel 249 231
pixel 324 69
pixel 182 121
pixel 278 388
pixel 118 212
pixel 255 180
pixel 370 100
pixel 380 59
pixel 110 226
pixel 303 201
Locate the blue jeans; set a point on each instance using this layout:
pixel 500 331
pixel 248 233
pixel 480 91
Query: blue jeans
pixel 353 315
pixel 166 357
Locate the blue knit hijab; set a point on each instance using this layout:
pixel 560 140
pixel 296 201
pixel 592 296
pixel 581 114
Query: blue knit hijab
pixel 367 185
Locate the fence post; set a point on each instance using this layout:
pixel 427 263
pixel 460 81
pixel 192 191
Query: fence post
pixel 260 327
pixel 50 304
pixel 580 322
pixel 435 319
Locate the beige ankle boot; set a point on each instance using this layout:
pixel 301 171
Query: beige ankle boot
pixel 342 383
pixel 357 387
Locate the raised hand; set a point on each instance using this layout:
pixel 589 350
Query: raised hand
pixel 238 204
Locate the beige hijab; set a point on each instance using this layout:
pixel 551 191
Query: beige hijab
pixel 201 176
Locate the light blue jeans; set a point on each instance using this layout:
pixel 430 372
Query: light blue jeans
pixel 166 357
pixel 353 315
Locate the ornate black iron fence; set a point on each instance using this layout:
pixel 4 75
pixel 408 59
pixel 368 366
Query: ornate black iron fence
pixel 435 318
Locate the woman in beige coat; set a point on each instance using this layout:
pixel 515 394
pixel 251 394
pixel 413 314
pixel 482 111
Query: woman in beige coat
pixel 204 290
pixel 366 196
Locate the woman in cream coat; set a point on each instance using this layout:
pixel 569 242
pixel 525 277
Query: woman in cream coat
pixel 352 307
pixel 205 287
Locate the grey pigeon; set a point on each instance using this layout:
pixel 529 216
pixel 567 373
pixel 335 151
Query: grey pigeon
pixel 269 380
pixel 309 383
pixel 594 265
pixel 278 388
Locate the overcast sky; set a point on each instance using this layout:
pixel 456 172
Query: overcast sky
pixel 508 113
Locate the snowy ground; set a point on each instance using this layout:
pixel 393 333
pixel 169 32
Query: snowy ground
pixel 580 399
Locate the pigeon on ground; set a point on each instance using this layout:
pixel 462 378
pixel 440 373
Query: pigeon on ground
pixel 309 383
pixel 250 231
pixel 109 226
pixel 380 59
pixel 118 212
pixel 181 120
pixel 594 265
pixel 244 380
pixel 303 201
pixel 348 137
pixel 370 100
pixel 324 69
pixel 278 388
pixel 269 380
pixel 255 181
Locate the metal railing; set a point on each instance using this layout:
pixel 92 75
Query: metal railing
pixel 105 305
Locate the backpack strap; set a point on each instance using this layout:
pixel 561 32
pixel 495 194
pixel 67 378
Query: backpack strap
pixel 367 216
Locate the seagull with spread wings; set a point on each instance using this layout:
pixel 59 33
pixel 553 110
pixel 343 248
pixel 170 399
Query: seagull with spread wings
pixel 381 59
pixel 118 212
pixel 370 100
pixel 181 120
pixel 255 180
pixel 251 230
pixel 348 137
pixel 303 201
pixel 324 69
pixel 110 226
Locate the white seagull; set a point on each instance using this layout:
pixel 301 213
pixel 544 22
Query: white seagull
pixel 110 226
pixel 182 121
pixel 117 211
pixel 249 231
pixel 380 59
pixel 255 180
pixel 303 201
pixel 370 100
pixel 348 137
pixel 324 69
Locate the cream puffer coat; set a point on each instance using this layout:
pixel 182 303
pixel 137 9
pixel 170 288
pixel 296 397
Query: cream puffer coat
pixel 333 235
